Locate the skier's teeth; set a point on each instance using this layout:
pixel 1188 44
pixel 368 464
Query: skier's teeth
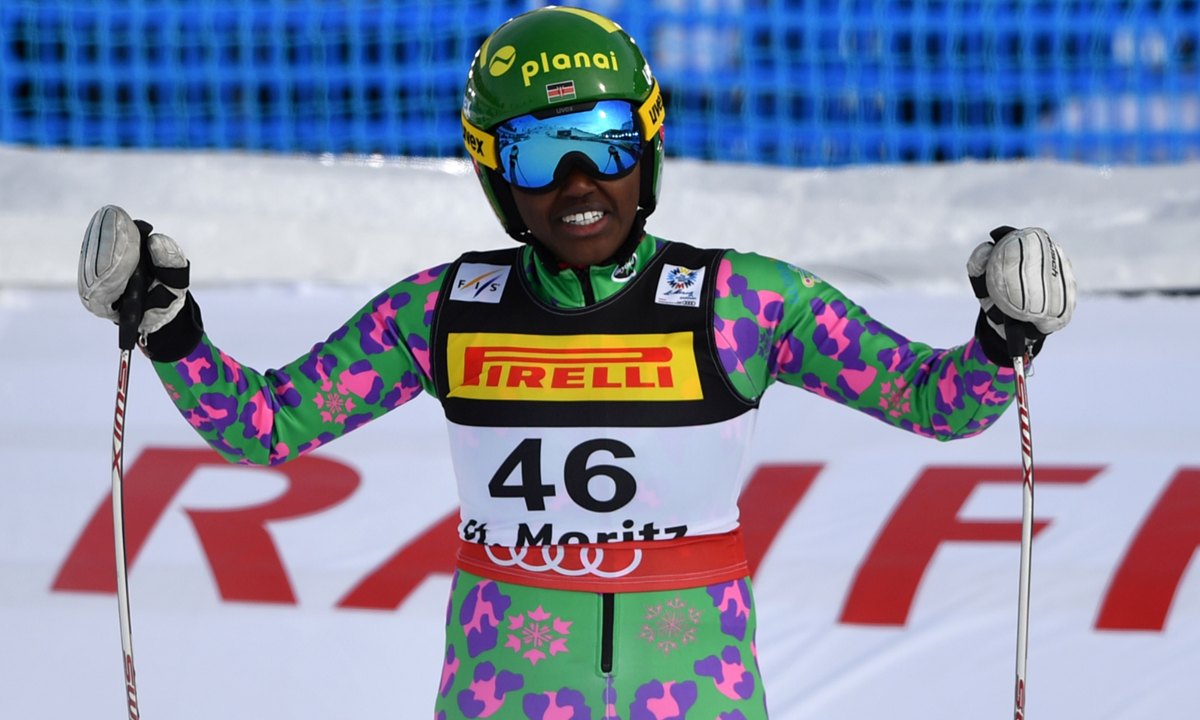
pixel 583 218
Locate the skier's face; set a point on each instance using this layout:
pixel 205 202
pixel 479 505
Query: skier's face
pixel 584 220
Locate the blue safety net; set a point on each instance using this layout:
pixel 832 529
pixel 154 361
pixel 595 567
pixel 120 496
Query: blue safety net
pixel 795 82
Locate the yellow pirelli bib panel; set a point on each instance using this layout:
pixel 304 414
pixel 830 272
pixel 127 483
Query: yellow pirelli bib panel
pixel 564 368
pixel 506 358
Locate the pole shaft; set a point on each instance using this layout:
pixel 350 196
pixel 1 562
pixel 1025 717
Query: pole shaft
pixel 1026 535
pixel 118 505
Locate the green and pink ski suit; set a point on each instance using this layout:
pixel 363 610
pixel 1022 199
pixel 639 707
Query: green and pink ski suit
pixel 597 418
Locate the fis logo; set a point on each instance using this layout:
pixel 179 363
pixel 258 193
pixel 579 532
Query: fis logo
pixel 497 366
pixel 680 286
pixel 479 282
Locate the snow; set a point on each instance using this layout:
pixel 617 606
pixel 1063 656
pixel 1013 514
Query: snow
pixel 284 249
pixel 371 221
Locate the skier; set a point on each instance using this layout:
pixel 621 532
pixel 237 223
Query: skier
pixel 614 159
pixel 514 161
pixel 599 385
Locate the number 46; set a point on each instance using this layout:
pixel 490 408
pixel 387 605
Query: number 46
pixel 577 476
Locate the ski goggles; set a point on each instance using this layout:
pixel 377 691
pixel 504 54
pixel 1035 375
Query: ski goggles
pixel 535 152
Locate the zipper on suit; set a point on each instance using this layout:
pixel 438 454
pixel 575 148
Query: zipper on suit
pixel 585 283
pixel 607 607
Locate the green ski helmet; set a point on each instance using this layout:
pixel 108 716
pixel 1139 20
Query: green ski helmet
pixel 509 78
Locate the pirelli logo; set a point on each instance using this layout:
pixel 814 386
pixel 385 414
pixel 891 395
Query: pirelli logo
pixel 498 366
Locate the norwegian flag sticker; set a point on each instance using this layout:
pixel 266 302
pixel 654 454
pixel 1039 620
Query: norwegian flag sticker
pixel 560 91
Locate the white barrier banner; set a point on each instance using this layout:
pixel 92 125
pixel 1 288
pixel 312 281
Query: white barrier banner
pixel 885 564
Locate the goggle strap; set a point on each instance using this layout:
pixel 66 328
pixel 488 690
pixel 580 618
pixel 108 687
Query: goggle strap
pixel 651 112
pixel 481 145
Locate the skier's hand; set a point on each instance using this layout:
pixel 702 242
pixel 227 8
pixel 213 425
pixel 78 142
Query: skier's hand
pixel 112 247
pixel 1025 276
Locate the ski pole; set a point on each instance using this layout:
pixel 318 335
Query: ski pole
pixel 1015 334
pixel 130 317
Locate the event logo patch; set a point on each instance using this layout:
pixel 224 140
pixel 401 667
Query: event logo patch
pixel 500 366
pixel 561 91
pixel 479 282
pixel 680 286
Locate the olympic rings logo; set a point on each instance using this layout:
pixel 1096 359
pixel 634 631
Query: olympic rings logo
pixel 590 567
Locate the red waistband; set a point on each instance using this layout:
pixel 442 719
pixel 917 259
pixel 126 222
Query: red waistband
pixel 612 567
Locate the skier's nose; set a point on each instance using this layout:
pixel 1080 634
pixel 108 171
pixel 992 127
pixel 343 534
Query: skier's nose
pixel 578 184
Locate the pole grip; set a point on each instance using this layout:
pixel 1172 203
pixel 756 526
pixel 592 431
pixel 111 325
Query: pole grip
pixel 133 300
pixel 1014 334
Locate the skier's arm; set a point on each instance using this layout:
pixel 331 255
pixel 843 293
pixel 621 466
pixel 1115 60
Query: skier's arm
pixel 375 362
pixel 774 321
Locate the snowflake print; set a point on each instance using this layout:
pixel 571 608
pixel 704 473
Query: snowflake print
pixel 894 397
pixel 764 342
pixel 671 624
pixel 537 633
pixel 334 405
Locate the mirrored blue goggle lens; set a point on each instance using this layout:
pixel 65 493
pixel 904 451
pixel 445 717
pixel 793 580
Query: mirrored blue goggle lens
pixel 531 149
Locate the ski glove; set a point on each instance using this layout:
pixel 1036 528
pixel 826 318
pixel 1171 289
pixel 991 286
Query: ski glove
pixel 170 326
pixel 1024 276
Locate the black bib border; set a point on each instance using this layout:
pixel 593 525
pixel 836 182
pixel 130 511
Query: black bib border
pixel 722 401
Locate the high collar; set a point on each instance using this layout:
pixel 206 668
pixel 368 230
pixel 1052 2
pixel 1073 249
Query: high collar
pixel 564 288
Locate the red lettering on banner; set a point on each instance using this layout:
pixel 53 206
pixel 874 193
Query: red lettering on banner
pixel 240 552
pixel 92 565
pixel 433 552
pixel 887 581
pixel 247 566
pixel 768 500
pixel 770 496
pixel 1144 585
pixel 243 557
